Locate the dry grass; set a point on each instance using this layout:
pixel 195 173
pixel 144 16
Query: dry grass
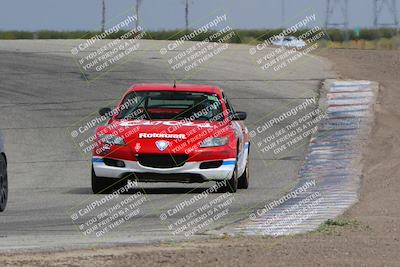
pixel 380 44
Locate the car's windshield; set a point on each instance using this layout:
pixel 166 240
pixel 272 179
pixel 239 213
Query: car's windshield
pixel 171 105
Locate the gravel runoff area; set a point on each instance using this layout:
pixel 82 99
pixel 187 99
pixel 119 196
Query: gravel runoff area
pixel 367 235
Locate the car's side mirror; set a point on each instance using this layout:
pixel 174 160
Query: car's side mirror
pixel 239 116
pixel 105 112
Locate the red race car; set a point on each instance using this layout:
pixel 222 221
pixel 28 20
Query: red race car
pixel 171 133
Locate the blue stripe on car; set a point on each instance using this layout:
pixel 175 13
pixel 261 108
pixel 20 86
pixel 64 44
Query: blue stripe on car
pixel 97 160
pixel 229 162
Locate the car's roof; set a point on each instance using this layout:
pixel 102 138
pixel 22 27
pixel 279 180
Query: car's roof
pixel 178 87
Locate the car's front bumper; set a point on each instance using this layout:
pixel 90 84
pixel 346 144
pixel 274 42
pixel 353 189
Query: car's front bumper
pixel 189 169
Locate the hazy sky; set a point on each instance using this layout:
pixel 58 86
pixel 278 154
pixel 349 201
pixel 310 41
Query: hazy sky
pixel 168 14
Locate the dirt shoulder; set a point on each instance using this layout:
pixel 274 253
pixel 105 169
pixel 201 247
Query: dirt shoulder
pixel 370 234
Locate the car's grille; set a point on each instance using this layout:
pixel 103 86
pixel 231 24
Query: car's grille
pixel 114 162
pixel 162 161
pixel 211 164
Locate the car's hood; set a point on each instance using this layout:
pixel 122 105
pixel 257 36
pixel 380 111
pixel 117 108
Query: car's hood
pixel 180 137
pixel 182 128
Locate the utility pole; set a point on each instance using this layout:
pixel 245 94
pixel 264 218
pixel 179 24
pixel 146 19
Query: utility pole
pixel 283 13
pixel 187 14
pixel 391 6
pixel 103 17
pixel 138 3
pixel 341 8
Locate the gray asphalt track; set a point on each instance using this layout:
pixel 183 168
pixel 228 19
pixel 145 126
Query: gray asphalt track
pixel 43 93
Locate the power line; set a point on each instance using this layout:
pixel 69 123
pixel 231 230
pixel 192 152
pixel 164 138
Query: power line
pixel 341 8
pixel 391 6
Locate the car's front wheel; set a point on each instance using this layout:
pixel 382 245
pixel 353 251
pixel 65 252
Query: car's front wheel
pixel 3 183
pixel 244 179
pixel 232 184
pixel 101 185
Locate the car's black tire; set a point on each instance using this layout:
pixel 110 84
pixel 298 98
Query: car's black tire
pixel 3 183
pixel 244 179
pixel 232 184
pixel 101 185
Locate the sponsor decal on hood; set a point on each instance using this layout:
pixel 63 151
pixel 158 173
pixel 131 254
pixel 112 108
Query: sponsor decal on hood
pixel 162 135
pixel 162 145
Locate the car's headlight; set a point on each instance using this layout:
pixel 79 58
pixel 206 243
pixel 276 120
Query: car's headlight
pixel 214 141
pixel 112 139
